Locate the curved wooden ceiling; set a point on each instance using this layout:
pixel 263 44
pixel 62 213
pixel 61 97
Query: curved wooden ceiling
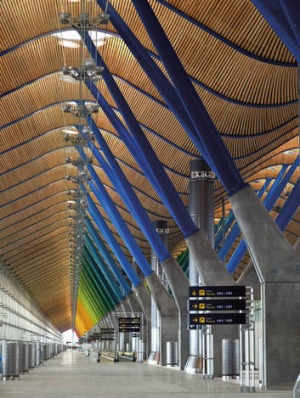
pixel 243 73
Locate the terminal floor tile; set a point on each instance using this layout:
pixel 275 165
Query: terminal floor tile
pixel 73 375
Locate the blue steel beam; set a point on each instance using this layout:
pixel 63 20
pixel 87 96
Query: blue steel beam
pixel 222 230
pixel 108 258
pixel 134 279
pixel 105 284
pixel 150 165
pixel 96 282
pixel 234 233
pixel 127 194
pixel 123 230
pixel 286 214
pixel 273 194
pixel 160 81
pixel 289 208
pixel 106 273
pixel 278 188
pixel 208 138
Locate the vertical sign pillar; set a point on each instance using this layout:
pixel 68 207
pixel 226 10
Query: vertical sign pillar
pixel 201 191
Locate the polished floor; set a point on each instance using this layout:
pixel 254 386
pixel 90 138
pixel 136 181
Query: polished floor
pixel 73 375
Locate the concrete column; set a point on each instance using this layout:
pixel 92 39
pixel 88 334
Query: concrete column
pixel 144 299
pixel 136 309
pixel 277 266
pixel 168 314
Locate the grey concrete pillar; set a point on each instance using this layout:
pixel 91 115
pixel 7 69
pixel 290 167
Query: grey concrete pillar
pixel 277 266
pixel 168 313
pixel 112 322
pixel 136 309
pixel 144 299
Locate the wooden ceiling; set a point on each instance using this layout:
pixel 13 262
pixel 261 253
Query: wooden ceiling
pixel 243 73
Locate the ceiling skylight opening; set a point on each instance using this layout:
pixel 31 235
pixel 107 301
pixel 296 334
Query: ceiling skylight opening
pixel 71 132
pixel 70 38
pixel 289 152
pixel 68 79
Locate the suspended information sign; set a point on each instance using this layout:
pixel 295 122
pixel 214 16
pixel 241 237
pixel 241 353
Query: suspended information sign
pixel 217 291
pixel 197 321
pixel 216 305
pixel 129 324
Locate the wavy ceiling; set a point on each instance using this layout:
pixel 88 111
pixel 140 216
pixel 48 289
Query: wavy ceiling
pixel 241 70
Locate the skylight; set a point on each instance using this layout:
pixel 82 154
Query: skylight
pixel 71 38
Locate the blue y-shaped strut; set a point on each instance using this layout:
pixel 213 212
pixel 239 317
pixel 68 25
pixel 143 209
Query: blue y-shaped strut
pixel 289 208
pixel 235 231
pixel 206 131
pixel 224 228
pixel 108 276
pixel 270 200
pixel 144 155
pixel 134 279
pixel 157 77
pixel 108 257
pixel 98 282
pixel 118 178
pixel 213 150
pixel 103 197
pixel 115 293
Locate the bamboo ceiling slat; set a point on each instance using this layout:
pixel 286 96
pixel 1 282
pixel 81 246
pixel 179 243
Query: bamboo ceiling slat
pixel 40 252
pixel 35 125
pixel 252 102
pixel 34 236
pixel 60 263
pixel 39 148
pixel 239 22
pixel 214 65
pixel 16 250
pixel 46 91
pixel 38 226
pixel 233 119
pixel 24 167
pixel 35 208
pixel 58 172
pixel 35 197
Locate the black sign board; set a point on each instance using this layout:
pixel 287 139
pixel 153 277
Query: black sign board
pixel 135 319
pixel 107 330
pixel 129 328
pixel 130 324
pixel 217 305
pixel 217 291
pixel 196 321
